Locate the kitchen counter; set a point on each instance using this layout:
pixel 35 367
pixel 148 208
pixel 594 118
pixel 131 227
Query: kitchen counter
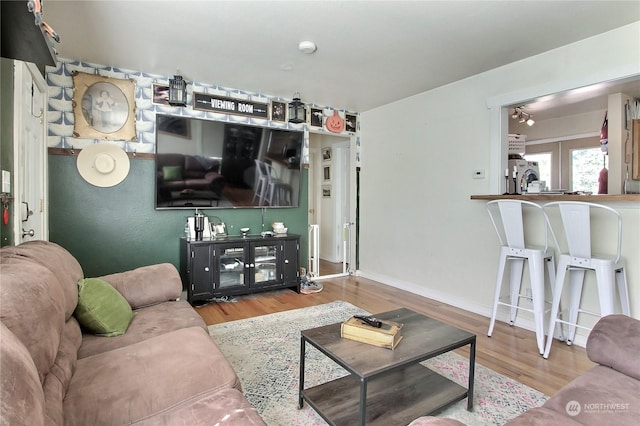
pixel 563 197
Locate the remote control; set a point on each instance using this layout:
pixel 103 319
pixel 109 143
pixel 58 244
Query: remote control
pixel 372 321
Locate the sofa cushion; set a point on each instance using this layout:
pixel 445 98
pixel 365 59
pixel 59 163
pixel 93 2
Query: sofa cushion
pixel 101 309
pixel 172 173
pixel 57 381
pixel 222 407
pixel 21 399
pixel 161 372
pixel 147 285
pixel 148 322
pixel 33 308
pixel 57 260
pixel 601 396
pixel 615 342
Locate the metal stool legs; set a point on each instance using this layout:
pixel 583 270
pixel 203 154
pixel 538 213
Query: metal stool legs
pixel 536 259
pixel 577 219
pixel 607 276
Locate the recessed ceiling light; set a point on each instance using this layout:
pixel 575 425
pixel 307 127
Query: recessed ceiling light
pixel 307 47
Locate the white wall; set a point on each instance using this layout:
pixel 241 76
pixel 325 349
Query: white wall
pixel 419 229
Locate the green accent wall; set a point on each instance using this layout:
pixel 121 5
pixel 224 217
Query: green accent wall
pixel 116 229
pixel 6 135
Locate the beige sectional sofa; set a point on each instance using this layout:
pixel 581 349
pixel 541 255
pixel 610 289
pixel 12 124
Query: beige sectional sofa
pixel 165 370
pixel 608 394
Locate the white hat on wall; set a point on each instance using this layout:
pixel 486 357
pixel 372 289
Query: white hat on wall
pixel 103 164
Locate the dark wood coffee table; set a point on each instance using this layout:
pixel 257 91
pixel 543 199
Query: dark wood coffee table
pixel 386 387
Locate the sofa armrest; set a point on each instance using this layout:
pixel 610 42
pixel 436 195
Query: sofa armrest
pixel 615 342
pixel 212 176
pixel 216 182
pixel 147 285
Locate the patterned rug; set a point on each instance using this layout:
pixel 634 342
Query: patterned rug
pixel 265 351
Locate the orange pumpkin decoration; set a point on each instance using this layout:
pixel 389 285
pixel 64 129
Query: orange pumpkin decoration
pixel 335 123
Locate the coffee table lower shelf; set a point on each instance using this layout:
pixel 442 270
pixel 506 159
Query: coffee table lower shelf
pixel 397 397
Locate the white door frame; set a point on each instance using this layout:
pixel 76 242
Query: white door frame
pixel 343 176
pixel 30 203
pixel 341 205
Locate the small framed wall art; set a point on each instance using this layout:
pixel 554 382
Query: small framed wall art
pixel 350 123
pixel 316 117
pixel 326 154
pixel 326 173
pixel 103 107
pixel 278 111
pixel 160 94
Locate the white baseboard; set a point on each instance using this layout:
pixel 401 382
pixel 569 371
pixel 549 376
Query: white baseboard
pixel 459 302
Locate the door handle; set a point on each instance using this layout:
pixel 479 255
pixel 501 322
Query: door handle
pixel 29 212
pixel 30 233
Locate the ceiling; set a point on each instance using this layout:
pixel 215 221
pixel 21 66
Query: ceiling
pixel 370 53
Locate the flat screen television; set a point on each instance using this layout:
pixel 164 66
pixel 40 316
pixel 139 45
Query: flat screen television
pixel 212 164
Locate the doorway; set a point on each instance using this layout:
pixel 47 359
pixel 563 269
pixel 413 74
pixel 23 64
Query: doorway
pixel 331 205
pixel 28 217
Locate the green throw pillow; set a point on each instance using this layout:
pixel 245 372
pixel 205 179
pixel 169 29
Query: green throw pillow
pixel 101 308
pixel 172 172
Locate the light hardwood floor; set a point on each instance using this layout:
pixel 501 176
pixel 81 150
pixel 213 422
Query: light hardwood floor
pixel 510 351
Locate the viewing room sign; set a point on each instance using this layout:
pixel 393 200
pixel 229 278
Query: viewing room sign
pixel 207 102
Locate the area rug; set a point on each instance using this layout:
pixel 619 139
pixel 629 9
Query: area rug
pixel 265 352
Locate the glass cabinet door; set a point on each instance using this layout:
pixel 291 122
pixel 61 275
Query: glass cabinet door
pixel 266 266
pixel 231 265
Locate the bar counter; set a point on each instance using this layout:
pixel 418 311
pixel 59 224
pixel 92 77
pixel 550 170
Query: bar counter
pixel 563 197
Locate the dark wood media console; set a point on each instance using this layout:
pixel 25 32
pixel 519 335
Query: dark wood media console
pixel 227 266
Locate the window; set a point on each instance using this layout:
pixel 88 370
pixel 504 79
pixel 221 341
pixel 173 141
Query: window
pixel 586 165
pixel 573 164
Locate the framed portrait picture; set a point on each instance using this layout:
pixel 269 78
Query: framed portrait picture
pixel 160 94
pixel 326 173
pixel 175 126
pixel 350 123
pixel 326 154
pixel 278 111
pixel 103 107
pixel 326 191
pixel 316 117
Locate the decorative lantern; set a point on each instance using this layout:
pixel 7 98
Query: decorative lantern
pixel 177 91
pixel 297 111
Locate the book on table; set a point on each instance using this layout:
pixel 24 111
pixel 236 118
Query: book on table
pixel 388 335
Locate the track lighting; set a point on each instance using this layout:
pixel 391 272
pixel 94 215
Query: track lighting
pixel 522 117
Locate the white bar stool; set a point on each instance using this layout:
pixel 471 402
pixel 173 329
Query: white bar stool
pixel 578 258
pixel 279 193
pixel 515 249
pixel 261 182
